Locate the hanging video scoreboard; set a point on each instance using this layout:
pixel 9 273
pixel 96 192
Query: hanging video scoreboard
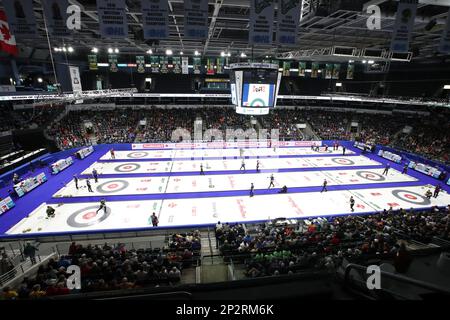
pixel 254 87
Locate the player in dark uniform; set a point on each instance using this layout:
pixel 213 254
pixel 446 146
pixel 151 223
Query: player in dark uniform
pixel 102 206
pixel 252 188
pixel 75 179
pixel 405 169
pixel 242 166
pixel 155 220
pixel 343 150
pixel 352 203
pixel 272 179
pixel 324 186
pixel 88 185
pixel 257 166
pixel 50 212
pixel 386 169
pixel 95 175
pixel 201 170
pixel 437 190
pixel 113 155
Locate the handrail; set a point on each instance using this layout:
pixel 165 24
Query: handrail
pixel 400 278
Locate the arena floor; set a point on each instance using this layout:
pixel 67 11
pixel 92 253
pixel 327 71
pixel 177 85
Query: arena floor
pixel 168 182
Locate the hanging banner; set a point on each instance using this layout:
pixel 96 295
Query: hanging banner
pixel 302 69
pixel 112 18
pixel 261 22
pixel 220 62
pixel 55 12
pixel 185 65
pixel 404 25
pixel 92 58
pixel 288 19
pixel 210 66
pixel 176 61
pixel 112 59
pixel 286 68
pixel 76 82
pixel 314 70
pixel 328 71
pixel 197 65
pixel 444 46
pixel 196 19
pixel 350 71
pixel 7 41
pixel 140 64
pixel 336 71
pixel 163 62
pixel 155 19
pixel 21 18
pixel 154 62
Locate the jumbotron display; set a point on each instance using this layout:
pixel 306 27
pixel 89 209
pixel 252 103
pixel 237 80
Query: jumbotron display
pixel 254 87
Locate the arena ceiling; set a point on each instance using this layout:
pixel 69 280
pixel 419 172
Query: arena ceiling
pixel 324 23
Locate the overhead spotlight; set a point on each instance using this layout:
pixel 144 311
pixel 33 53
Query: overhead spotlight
pixel 267 57
pixel 94 50
pixel 222 54
pixel 338 84
pixel 56 49
pixel 40 80
pixel 181 53
pixel 70 49
pixel 196 53
pixel 364 61
pixel 243 55
pixel 370 62
pixel 169 52
pixel 228 54
pixel 64 49
pixel 116 50
pixel 150 51
pixel 110 50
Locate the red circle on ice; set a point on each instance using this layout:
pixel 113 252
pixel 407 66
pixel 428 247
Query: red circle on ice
pixel 410 196
pixel 89 215
pixel 127 167
pixel 113 186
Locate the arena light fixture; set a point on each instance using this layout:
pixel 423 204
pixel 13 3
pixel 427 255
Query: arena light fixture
pixel 64 49
pixel 338 84
pixel 94 50
pixel 70 49
pixel 196 53
pixel 110 50
pixel 116 50
pixel 169 52
pixel 243 55
pixel 181 53
pixel 447 87
pixel 222 54
pixel 40 80
pixel 150 51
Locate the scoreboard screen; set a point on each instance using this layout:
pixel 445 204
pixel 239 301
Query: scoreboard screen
pixel 259 88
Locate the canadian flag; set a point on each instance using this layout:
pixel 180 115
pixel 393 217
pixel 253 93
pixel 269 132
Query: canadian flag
pixel 7 40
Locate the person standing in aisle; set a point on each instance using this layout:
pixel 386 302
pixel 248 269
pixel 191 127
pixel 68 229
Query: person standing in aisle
pixel 324 186
pixel 88 185
pixel 272 179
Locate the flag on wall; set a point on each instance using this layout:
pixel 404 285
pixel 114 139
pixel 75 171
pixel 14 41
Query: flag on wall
pixel 328 71
pixel 336 71
pixel 112 58
pixel 154 62
pixel 197 65
pixel 7 40
pixel 404 25
pixel 140 64
pixel 350 71
pixel 314 70
pixel 301 69
pixel 210 66
pixel 163 62
pixel 176 61
pixel 219 65
pixel 185 65
pixel 92 58
pixel 286 68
